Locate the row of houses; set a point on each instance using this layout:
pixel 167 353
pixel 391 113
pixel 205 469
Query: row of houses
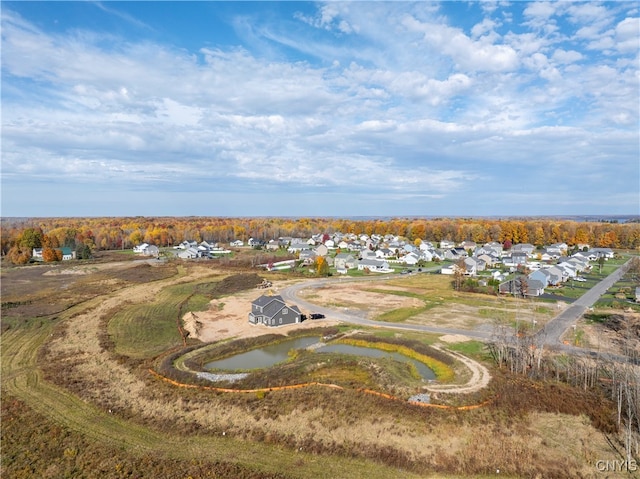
pixel 535 283
pixel 185 250
pixel 67 253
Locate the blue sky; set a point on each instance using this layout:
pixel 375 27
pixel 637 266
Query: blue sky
pixel 320 109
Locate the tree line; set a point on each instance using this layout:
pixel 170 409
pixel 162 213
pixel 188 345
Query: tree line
pixel 87 235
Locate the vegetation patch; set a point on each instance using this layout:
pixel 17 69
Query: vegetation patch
pixel 473 348
pixel 442 370
pixel 400 314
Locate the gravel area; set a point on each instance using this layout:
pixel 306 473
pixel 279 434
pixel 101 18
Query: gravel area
pixel 222 377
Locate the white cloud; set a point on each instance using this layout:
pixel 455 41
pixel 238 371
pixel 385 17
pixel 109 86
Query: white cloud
pixel 566 56
pixel 399 100
pixel 627 35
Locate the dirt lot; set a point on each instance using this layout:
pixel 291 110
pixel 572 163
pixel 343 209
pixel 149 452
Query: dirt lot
pixel 228 318
pixel 619 332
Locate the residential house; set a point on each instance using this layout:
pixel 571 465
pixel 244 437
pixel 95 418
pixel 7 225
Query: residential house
pixel 494 249
pixel 516 259
pixel 385 253
pixel 532 287
pixel 469 245
pixel 307 256
pixel 580 264
pixel 488 259
pixel 237 243
pixel 189 253
pixel 541 275
pixel 606 253
pixel 555 275
pixel 151 250
pixel 255 243
pixel 140 248
pixel 523 248
pixel 427 255
pixel 366 253
pixel 374 265
pixel 36 253
pixel 343 262
pixel 586 255
pixel 447 244
pixel 321 250
pixel 297 246
pixel 470 265
pixel 568 271
pixel 273 311
pixel 67 253
pixel 499 275
pixel 272 245
pixel 454 254
pixel 411 259
pixel 451 269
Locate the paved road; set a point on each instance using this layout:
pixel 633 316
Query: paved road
pixel 290 294
pixel 554 329
pixel 549 335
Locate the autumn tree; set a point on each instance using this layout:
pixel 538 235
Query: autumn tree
pixel 50 254
pixel 458 274
pixel 19 255
pixel 321 266
pixel 31 238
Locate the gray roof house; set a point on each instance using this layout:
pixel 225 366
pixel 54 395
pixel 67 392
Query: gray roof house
pixel 523 248
pixel 555 275
pixel 514 286
pixel 343 262
pixel 541 275
pixel 273 311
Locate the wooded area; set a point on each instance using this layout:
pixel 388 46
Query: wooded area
pixel 85 235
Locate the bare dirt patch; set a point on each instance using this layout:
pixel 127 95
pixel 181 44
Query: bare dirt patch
pixel 360 297
pixel 618 333
pixel 228 317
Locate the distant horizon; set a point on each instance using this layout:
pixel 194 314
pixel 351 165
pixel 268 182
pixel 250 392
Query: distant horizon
pixel 433 217
pixel 312 109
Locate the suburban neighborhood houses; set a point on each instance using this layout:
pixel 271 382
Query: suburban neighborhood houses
pixel 518 269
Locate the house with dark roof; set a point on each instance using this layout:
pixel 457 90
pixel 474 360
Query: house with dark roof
pixel 273 311
pixel 522 286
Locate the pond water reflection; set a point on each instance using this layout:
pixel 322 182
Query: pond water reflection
pixel 276 353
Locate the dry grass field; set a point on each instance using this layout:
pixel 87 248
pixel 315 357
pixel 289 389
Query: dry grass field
pixel 78 342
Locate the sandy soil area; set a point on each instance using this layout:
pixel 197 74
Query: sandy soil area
pixel 356 296
pixel 606 339
pixel 228 318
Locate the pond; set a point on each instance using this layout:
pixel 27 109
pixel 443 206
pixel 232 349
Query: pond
pixel 276 353
pixel 263 357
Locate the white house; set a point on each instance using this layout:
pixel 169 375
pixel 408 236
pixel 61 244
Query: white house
pixel 375 265
pixel 140 248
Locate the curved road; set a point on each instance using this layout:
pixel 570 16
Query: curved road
pixel 549 335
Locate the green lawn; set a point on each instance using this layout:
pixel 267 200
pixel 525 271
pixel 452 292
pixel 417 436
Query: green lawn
pixel 146 330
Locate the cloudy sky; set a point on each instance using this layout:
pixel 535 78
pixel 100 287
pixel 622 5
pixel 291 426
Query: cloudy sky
pixel 320 109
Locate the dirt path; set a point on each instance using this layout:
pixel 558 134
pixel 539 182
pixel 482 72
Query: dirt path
pixel 480 376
